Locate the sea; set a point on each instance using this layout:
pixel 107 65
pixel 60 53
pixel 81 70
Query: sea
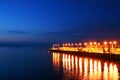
pixel 37 63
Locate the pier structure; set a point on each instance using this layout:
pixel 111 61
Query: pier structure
pixel 111 47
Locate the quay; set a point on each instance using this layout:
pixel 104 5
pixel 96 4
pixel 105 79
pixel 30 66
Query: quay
pixel 106 50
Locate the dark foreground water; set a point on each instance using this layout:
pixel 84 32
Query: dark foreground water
pixel 25 63
pixel 35 63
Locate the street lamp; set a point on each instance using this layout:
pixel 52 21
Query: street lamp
pixel 105 43
pixel 95 46
pixel 85 43
pixel 98 44
pixel 72 45
pixel 90 43
pixel 63 45
pixel 90 46
pixel 114 42
pixel 94 43
pixel 110 42
pixel 80 44
pixel 76 44
pixel 69 44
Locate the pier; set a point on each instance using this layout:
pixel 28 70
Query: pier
pixel 106 50
pixel 91 47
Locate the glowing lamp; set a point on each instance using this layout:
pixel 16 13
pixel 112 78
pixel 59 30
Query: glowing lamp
pixel 98 43
pixel 114 42
pixel 65 44
pixel 94 43
pixel 72 44
pixel 105 42
pixel 80 44
pixel 76 44
pixel 90 43
pixel 85 43
pixel 110 42
pixel 69 44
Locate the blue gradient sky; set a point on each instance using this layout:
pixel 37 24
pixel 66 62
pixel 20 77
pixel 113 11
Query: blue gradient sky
pixel 59 20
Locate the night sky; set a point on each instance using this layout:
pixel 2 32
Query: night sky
pixel 59 20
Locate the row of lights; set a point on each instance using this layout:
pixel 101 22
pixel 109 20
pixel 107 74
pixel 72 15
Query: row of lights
pixel 111 42
pixel 90 43
pixel 72 44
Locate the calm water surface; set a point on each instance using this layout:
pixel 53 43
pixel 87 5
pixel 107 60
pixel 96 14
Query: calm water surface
pixel 25 63
pixel 74 67
pixel 35 63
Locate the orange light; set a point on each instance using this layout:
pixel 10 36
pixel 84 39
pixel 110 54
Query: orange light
pixel 94 43
pixel 69 44
pixel 110 42
pixel 105 42
pixel 90 43
pixel 85 43
pixel 114 42
pixel 76 44
pixel 65 44
pixel 80 44
pixel 98 43
pixel 72 44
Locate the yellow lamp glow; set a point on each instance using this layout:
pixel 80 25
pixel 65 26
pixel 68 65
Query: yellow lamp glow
pixel 110 42
pixel 114 42
pixel 105 42
pixel 90 43
pixel 80 44
pixel 94 43
pixel 85 44
pixel 98 43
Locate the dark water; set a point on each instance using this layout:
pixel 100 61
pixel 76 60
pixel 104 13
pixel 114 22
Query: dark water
pixel 25 63
pixel 73 67
pixel 35 63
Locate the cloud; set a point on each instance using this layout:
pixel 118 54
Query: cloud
pixel 16 32
pixel 21 32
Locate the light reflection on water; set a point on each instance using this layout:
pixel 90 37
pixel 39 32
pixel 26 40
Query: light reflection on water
pixel 83 68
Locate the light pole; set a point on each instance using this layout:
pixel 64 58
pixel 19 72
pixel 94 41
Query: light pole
pixel 90 46
pixel 95 46
pixel 114 42
pixel 105 43
pixel 105 46
pixel 85 43
pixel 111 46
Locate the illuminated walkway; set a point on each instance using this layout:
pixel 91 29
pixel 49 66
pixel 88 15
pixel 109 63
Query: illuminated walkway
pixel 92 47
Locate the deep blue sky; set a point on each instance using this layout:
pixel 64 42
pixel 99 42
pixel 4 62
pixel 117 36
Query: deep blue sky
pixel 59 20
